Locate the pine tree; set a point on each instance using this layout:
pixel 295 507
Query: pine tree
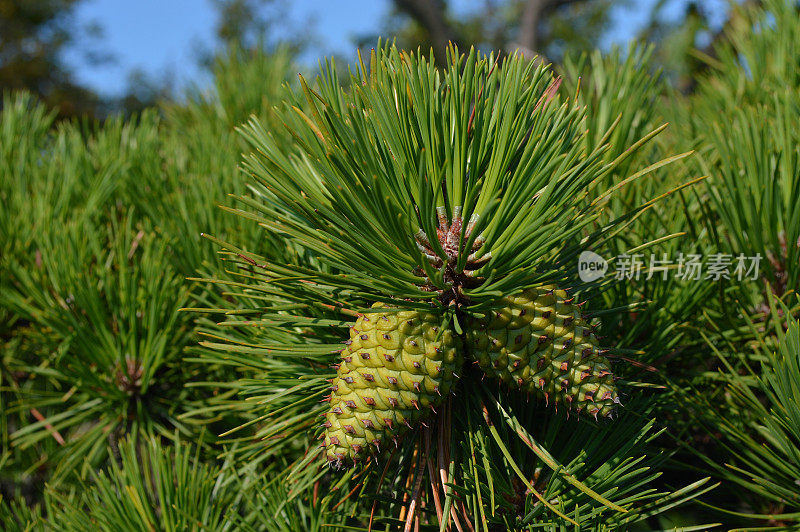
pixel 422 199
pixel 386 326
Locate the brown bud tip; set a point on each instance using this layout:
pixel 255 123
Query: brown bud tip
pixel 415 404
pixel 334 440
pixel 365 355
pixel 350 404
pixel 368 423
pixel 388 357
pixel 543 339
pixel 416 386
pixel 349 429
pixel 564 366
pixel 388 422
pixel 327 424
pixel 369 377
pixel 393 402
pixel 564 384
pixel 392 380
pixel 431 407
pixel 370 401
pixel 436 389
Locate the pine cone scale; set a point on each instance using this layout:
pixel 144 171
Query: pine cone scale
pixel 396 367
pixel 540 343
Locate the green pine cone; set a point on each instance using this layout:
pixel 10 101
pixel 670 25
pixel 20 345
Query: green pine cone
pixel 540 343
pixel 396 368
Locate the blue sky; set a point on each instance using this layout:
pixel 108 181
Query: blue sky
pixel 162 37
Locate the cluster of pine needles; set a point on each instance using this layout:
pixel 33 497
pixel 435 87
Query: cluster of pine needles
pixel 176 289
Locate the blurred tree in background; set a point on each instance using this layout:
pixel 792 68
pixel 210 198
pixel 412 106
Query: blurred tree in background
pixel 687 44
pixel 254 24
pixel 33 35
pixel 245 22
pixel 537 27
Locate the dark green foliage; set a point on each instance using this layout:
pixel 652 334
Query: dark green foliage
pixel 379 164
pixel 151 378
pixel 93 273
pixel 760 436
pixel 154 486
pixel 109 314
